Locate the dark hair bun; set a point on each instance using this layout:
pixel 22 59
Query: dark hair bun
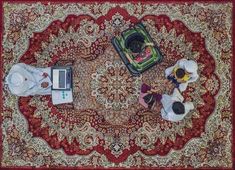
pixel 178 108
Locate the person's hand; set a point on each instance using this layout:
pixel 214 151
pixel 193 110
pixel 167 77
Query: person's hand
pixel 45 75
pixel 44 84
pixel 169 82
pixel 164 81
pixel 156 90
pixel 168 86
pixel 149 92
pixel 188 99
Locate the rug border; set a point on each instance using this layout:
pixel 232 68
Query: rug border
pixel 1 84
pixel 119 1
pixel 233 85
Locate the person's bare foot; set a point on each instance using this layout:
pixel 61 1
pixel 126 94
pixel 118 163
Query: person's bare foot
pixel 44 84
pixel 45 75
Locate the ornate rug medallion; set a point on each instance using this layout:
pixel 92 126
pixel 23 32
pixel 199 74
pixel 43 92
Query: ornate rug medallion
pixel 106 126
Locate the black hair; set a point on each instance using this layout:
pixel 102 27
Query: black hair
pixel 178 108
pixel 136 46
pixel 135 42
pixel 180 73
pixel 150 100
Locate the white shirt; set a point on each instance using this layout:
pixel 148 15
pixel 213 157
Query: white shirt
pixel 167 102
pixel 34 76
pixel 183 63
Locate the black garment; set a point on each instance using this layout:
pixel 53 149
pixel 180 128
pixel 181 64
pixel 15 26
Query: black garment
pixel 173 80
pixel 149 99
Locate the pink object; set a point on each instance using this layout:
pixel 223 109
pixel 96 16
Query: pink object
pixel 139 59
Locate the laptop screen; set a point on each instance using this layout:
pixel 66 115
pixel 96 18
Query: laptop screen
pixel 62 79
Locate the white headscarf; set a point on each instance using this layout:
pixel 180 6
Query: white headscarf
pixel 15 79
pixel 16 82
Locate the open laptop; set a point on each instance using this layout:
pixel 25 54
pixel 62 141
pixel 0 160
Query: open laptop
pixel 61 78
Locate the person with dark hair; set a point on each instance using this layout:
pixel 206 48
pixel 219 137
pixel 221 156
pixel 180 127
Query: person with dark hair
pixel 182 73
pixel 174 108
pixel 179 73
pixel 178 108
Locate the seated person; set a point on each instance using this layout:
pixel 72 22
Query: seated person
pixel 149 96
pixel 182 73
pixel 140 50
pixel 174 108
pixel 25 80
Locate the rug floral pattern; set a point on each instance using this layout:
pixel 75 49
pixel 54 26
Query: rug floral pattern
pixel 106 126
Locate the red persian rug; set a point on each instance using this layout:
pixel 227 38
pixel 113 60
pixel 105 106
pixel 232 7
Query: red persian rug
pixel 106 127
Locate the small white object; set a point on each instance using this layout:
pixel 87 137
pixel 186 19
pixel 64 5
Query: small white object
pixel 61 97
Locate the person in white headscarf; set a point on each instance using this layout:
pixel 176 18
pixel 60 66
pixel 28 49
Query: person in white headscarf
pixel 174 108
pixel 25 80
pixel 182 73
